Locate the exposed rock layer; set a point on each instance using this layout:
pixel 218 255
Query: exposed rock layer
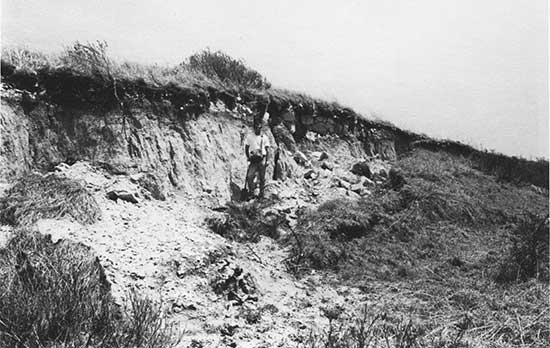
pixel 173 132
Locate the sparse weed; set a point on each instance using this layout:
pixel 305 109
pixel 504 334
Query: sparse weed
pixel 528 255
pixel 143 325
pixel 365 329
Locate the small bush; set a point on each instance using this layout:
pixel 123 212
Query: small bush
pixel 245 222
pixel 528 254
pixel 322 236
pixel 36 197
pixel 219 65
pixel 143 325
pixel 88 59
pixel 50 292
pixel 56 294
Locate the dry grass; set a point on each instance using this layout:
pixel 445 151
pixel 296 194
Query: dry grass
pixel 435 247
pixel 213 73
pixel 220 66
pixel 445 207
pixel 36 197
pixel 49 293
pixel 92 59
pixel 29 60
pixel 433 314
pixel 56 294
pixel 375 328
pixel 528 253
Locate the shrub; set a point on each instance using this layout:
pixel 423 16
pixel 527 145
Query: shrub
pixel 56 294
pixel 221 66
pixel 88 59
pixel 143 325
pixel 35 196
pixel 245 222
pixel 50 292
pixel 528 254
pixel 322 236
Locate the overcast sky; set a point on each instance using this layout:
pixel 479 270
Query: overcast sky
pixel 469 70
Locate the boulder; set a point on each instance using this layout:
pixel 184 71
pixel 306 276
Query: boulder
pixel 352 194
pixel 327 165
pixel 357 188
pixel 343 183
pixel 396 179
pixel 310 174
pixel 284 137
pixel 301 159
pixel 123 195
pixel 151 183
pixel 351 178
pixel 284 165
pixel 124 191
pixel 362 169
pixel 315 154
pixel 368 182
pixel 234 283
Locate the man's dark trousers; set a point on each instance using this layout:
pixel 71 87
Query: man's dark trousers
pixel 256 169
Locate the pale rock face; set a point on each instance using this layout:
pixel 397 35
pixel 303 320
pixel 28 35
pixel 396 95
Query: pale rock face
pixel 15 154
pixel 200 154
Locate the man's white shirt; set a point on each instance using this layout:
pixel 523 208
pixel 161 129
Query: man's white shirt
pixel 257 144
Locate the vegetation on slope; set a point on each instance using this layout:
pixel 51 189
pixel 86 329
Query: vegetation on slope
pixel 453 239
pixel 36 197
pixel 443 197
pixel 218 65
pixel 438 236
pixel 56 294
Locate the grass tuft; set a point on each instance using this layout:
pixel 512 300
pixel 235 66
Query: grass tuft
pixel 36 197
pixel 57 294
pixel 220 66
pixel 527 255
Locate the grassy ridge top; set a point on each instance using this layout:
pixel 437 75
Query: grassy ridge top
pixel 84 75
pixel 204 76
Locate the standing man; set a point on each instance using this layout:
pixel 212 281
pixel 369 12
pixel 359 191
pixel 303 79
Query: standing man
pixel 256 149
